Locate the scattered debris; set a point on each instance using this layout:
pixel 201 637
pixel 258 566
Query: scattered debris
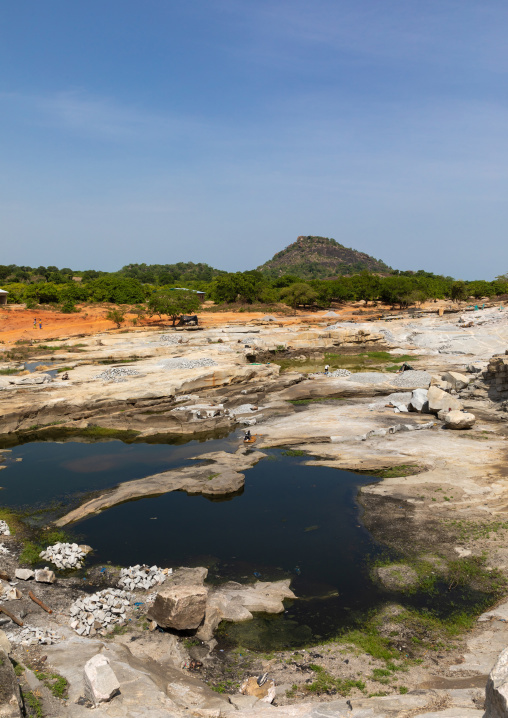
pixel 4 529
pixel 3 550
pixel 31 636
pixel 170 339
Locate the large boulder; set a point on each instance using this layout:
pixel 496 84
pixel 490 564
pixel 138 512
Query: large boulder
pixel 459 420
pixel 181 607
pixel 101 684
pixel 457 381
pixel 10 698
pixel 440 400
pixel 496 692
pixel 419 400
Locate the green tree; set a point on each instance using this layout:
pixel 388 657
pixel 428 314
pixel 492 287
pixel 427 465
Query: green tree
pixel 116 316
pixel 459 291
pixel 173 303
pixel 298 294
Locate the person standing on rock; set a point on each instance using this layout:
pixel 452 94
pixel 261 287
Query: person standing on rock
pixel 327 369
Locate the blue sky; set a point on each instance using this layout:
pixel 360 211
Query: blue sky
pixel 159 131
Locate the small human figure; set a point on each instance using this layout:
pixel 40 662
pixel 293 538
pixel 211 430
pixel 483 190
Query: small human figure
pixel 327 368
pixel 35 323
pixel 247 436
pixel 40 325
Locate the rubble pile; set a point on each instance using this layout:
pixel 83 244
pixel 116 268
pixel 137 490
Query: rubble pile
pixel 170 339
pixel 340 372
pixel 64 555
pixel 143 577
pixel 31 636
pixel 412 378
pixel 4 529
pixel 3 550
pixel 116 373
pixel 186 363
pixel 94 614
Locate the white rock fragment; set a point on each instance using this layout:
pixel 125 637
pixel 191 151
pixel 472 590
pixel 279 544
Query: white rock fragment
pixel 24 574
pixel 4 529
pixel 45 575
pixel 101 684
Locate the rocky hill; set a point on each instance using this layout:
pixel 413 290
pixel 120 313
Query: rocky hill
pixel 320 258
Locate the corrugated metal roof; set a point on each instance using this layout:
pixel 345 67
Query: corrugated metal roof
pixel 2 291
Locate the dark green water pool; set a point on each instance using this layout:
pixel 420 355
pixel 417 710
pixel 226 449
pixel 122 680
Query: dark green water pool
pixel 291 521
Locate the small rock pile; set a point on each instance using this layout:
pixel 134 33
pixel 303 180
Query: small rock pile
pixel 4 529
pixel 64 555
pixel 31 636
pixel 3 550
pixel 116 373
pixel 186 363
pixel 94 614
pixel 142 577
pixel 170 339
pixel 412 378
pixel 340 372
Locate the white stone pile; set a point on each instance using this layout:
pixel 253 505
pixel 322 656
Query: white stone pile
pixel 186 363
pixel 3 550
pixel 31 636
pixel 96 613
pixel 4 529
pixel 116 373
pixel 340 372
pixel 64 555
pixel 170 339
pixel 412 378
pixel 143 577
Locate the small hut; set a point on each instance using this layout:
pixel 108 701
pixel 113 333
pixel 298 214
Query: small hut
pixel 3 296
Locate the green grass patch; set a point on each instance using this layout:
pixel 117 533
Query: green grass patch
pixel 32 549
pixel 370 641
pixel 325 683
pixel 11 519
pixel 395 472
pixel 33 705
pixel 294 452
pixel 56 683
pixel 8 372
pixel 65 368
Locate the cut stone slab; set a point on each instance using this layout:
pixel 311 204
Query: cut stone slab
pixel 45 575
pixel 180 607
pixel 24 574
pixel 459 420
pixel 440 400
pixel 101 684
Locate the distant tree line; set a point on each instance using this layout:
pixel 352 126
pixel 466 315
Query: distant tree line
pixel 138 283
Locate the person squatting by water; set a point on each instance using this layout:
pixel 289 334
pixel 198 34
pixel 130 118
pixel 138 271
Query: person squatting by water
pixel 247 436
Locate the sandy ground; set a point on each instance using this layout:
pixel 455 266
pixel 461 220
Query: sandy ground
pixel 17 323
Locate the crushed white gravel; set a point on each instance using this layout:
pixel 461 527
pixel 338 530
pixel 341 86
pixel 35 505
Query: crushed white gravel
pixel 409 379
pixel 186 363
